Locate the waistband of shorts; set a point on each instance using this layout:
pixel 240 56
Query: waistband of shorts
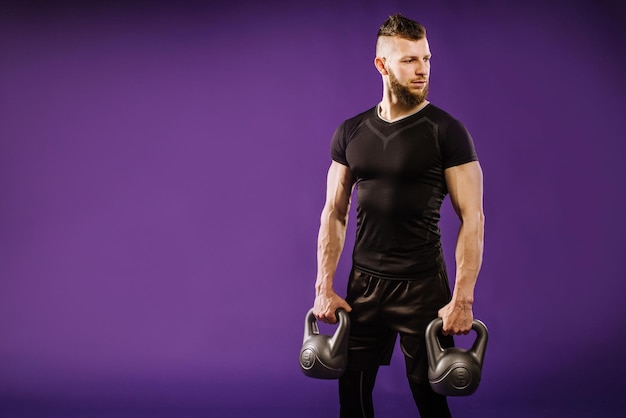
pixel 386 276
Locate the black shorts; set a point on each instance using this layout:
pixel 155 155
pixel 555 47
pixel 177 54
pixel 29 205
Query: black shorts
pixel 384 308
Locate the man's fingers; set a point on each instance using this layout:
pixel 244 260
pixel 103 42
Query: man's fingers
pixel 327 317
pixel 454 331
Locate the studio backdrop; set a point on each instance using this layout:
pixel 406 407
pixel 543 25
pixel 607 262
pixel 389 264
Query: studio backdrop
pixel 162 174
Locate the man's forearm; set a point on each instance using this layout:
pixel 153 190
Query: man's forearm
pixel 330 243
pixel 469 256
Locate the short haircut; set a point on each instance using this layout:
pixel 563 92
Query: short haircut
pixel 402 27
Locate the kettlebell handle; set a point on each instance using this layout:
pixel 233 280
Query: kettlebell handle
pixel 341 333
pixel 311 328
pixel 342 315
pixel 477 325
pixel 478 348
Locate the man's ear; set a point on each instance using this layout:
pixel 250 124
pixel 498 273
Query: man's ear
pixel 379 62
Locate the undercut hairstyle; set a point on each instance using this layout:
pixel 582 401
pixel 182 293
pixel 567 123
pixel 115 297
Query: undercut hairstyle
pixel 402 27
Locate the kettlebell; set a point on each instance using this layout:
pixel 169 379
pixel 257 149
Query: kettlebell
pixel 455 371
pixel 324 356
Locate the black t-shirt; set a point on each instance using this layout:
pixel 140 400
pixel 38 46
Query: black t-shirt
pixel 399 171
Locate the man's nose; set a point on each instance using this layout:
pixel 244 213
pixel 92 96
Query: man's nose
pixel 421 68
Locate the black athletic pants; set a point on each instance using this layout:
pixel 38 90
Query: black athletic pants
pixel 355 396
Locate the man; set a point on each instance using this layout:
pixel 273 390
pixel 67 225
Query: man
pixel 404 155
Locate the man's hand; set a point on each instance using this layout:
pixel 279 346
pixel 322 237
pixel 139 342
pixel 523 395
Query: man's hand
pixel 325 306
pixel 457 318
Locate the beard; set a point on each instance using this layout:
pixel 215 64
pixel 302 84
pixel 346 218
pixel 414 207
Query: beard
pixel 405 95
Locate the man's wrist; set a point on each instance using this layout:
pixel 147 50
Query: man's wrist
pixel 463 301
pixel 323 287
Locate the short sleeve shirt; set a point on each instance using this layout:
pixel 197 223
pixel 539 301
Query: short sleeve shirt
pixel 399 171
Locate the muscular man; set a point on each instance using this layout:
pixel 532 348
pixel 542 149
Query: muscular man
pixel 404 156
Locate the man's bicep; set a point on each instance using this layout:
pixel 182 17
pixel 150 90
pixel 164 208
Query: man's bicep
pixel 339 187
pixel 465 186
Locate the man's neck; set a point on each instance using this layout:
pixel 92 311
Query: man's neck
pixel 392 112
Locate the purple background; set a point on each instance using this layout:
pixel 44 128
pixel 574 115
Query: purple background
pixel 162 171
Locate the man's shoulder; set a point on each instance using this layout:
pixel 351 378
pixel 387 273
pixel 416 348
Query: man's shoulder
pixel 440 115
pixel 359 118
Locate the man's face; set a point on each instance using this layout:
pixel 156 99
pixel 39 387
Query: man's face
pixel 408 65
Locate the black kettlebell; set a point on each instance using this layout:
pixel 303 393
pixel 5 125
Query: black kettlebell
pixel 455 371
pixel 325 356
